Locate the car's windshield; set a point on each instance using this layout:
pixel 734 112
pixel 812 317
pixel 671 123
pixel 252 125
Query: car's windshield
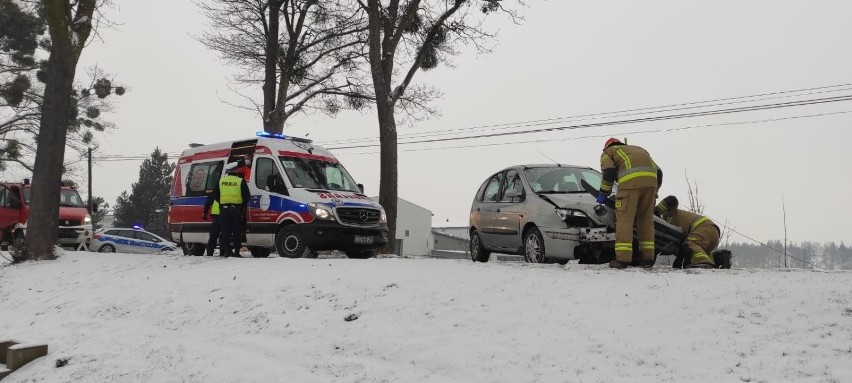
pixel 67 197
pixel 315 174
pixel 561 179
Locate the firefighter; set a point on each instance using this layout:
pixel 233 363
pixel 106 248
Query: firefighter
pixel 215 225
pixel 702 236
pixel 638 179
pixel 232 194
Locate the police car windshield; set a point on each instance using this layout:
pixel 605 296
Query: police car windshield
pixel 316 174
pixel 67 197
pixel 561 179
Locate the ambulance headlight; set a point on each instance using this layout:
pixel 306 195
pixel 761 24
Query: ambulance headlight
pixel 384 217
pixel 320 211
pixel 87 220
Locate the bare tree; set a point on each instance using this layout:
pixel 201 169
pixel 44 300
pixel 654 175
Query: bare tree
pixel 695 204
pixel 405 37
pixel 304 53
pixel 70 24
pixel 784 212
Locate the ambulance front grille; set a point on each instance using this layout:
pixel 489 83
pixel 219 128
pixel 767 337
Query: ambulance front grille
pixel 358 216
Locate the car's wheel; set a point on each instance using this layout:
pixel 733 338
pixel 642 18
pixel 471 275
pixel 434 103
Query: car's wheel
pixel 196 249
pixel 534 246
pixel 562 262
pixel 477 250
pixel 259 252
pixel 107 249
pixel 289 243
pixel 360 254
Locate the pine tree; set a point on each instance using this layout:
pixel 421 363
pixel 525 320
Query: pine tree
pixel 147 205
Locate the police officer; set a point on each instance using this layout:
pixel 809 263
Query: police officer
pixel 638 179
pixel 232 194
pixel 702 236
pixel 215 225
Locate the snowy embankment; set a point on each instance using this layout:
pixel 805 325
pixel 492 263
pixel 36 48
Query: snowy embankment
pixel 169 318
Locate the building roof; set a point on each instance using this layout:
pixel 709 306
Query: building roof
pixel 400 199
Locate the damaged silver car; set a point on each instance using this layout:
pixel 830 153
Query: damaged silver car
pixel 548 214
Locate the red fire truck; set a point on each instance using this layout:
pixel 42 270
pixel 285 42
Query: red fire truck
pixel 75 223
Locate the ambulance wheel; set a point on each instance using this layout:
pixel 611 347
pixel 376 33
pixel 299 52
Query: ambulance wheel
pixel 289 243
pixel 196 249
pixel 107 249
pixel 260 252
pixel 360 254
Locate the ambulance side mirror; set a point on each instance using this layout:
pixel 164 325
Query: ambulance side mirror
pixel 361 187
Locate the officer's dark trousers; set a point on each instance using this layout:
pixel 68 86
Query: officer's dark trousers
pixel 231 229
pixel 215 227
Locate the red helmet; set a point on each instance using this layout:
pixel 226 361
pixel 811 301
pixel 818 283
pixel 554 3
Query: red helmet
pixel 610 141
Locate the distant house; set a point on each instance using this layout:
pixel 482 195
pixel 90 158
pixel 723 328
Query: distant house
pixel 108 220
pixel 413 228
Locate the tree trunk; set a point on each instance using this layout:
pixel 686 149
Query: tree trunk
pixel 270 69
pixel 388 181
pixel 43 223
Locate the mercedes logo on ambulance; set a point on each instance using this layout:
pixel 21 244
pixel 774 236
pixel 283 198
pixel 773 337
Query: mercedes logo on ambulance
pixel 363 215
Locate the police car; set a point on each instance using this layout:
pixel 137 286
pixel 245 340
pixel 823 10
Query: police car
pixel 129 240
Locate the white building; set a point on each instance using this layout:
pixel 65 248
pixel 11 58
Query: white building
pixel 413 229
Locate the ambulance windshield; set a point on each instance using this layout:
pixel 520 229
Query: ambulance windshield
pixel 315 174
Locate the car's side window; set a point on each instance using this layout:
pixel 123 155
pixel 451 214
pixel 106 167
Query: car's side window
pixel 146 237
pixel 126 234
pixel 492 190
pixel 3 197
pixel 513 182
pixel 268 177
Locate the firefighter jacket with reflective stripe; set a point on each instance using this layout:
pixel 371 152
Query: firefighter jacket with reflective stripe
pixel 686 220
pixel 630 166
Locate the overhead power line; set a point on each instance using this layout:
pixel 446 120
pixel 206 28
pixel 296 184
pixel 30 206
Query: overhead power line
pixel 663 130
pixel 622 122
pixel 620 113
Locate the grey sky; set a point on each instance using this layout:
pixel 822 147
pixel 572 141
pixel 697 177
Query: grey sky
pixel 568 58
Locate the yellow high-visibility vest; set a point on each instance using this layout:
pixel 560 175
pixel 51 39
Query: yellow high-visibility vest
pixel 230 191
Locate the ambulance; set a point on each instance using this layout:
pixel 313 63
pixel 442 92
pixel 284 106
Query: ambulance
pixel 302 199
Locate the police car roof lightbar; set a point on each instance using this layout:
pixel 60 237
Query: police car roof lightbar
pixel 137 227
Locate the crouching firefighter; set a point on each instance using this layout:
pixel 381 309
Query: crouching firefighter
pixel 232 194
pixel 702 237
pixel 638 179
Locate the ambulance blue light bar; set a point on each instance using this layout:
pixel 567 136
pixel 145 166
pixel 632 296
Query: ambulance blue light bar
pixel 271 135
pixel 282 137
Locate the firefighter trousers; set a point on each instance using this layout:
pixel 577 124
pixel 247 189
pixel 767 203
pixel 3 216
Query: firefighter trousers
pixel 702 241
pixel 634 207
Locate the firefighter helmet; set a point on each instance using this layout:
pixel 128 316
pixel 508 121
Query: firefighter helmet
pixel 610 141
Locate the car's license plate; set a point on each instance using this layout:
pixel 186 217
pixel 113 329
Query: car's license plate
pixel 362 240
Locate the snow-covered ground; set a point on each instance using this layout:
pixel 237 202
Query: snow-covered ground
pixel 169 318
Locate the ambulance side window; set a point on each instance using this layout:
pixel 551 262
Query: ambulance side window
pixel 203 177
pixel 267 177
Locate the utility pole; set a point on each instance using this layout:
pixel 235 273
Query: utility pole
pixel 90 180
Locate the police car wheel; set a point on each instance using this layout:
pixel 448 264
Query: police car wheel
pixel 107 249
pixel 289 243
